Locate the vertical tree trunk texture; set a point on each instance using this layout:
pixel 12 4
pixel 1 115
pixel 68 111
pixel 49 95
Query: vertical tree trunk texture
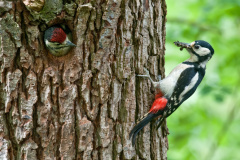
pixel 84 104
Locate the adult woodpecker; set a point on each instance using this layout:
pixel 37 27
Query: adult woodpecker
pixel 58 40
pixel 178 86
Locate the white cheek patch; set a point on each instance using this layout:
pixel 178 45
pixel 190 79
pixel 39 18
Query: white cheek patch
pixel 202 51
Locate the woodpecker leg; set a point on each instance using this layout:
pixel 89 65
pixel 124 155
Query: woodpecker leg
pixel 155 84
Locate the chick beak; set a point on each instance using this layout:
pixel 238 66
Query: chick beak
pixel 69 43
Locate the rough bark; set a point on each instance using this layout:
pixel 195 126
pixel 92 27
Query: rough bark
pixel 82 105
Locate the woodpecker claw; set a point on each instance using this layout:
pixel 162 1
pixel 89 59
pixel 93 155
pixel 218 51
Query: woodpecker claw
pixel 147 71
pixel 139 75
pixel 155 84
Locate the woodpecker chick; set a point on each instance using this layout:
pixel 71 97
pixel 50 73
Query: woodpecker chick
pixel 58 40
pixel 178 86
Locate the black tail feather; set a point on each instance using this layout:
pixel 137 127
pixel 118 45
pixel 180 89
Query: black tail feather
pixel 137 128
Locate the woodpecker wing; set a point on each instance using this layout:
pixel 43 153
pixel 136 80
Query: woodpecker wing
pixel 186 85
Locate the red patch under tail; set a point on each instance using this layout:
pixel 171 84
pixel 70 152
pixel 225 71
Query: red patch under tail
pixel 158 104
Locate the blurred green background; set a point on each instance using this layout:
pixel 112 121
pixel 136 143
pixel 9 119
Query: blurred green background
pixel 206 126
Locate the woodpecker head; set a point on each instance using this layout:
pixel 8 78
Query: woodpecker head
pixel 200 51
pixel 58 40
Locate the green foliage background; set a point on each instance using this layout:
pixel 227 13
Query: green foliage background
pixel 206 127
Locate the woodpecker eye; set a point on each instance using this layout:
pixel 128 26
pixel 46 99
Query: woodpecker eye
pixel 196 47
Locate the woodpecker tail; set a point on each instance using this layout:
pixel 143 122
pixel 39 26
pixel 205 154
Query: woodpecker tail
pixel 137 128
pixel 156 110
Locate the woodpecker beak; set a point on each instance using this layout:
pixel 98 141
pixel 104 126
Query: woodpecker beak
pixel 192 44
pixel 69 43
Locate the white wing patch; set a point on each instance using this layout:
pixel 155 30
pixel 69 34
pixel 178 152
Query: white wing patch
pixel 168 84
pixel 189 87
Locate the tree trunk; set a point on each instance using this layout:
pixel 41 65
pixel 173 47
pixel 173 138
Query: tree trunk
pixel 84 104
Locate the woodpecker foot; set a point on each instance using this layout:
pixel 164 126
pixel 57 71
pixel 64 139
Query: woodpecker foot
pixel 165 129
pixel 147 75
pixel 162 123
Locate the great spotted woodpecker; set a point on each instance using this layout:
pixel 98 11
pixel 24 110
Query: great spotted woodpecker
pixel 178 86
pixel 58 40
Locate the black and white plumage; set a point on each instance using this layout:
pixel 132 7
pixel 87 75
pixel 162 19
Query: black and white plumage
pixel 178 86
